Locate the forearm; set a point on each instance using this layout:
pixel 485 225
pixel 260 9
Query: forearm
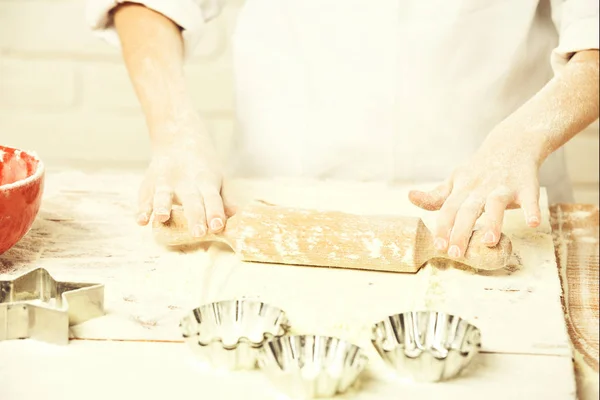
pixel 563 108
pixel 152 49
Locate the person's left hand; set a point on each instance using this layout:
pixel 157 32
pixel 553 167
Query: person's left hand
pixel 501 175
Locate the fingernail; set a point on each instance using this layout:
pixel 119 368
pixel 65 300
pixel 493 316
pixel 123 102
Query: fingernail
pixel 489 237
pixel 199 231
pixel 216 224
pixel 533 220
pixel 454 251
pixel 142 218
pixel 439 244
pixel 161 211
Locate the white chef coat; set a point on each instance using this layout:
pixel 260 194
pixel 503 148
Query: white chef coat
pixel 386 90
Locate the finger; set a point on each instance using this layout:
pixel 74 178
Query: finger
pixel 462 229
pixel 229 206
pixel 445 220
pixel 529 200
pixel 230 210
pixel 163 201
pixel 145 201
pixel 495 205
pixel 229 199
pixel 432 200
pixel 213 205
pixel 193 209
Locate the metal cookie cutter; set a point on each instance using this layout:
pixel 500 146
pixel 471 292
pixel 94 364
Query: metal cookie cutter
pixel 34 305
pixel 229 333
pixel 428 346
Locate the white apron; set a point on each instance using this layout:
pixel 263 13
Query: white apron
pixel 401 91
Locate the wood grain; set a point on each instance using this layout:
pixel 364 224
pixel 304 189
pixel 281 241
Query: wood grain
pixel 575 229
pixel 267 233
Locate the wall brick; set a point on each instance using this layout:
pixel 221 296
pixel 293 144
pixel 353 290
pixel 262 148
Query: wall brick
pixel 37 83
pixel 106 86
pixel 65 137
pixel 40 26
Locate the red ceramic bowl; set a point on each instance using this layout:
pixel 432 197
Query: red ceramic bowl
pixel 21 188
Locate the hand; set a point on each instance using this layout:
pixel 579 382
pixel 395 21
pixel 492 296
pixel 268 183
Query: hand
pixel 504 172
pixel 184 170
pixel 499 176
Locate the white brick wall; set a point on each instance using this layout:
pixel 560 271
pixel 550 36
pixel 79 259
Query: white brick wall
pixel 46 84
pixel 66 94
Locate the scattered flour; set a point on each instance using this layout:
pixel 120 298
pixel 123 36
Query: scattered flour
pixel 286 246
pixel 374 246
pixel 407 257
pixel 395 249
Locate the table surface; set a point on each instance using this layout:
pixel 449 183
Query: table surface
pixel 86 232
pixel 575 230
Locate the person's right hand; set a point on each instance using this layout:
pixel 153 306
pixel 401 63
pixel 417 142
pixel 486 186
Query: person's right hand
pixel 185 171
pixel 184 168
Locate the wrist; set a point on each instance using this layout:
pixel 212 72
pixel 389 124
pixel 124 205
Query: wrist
pixel 171 129
pixel 533 146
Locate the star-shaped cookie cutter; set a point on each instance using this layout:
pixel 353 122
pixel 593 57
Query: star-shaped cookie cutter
pixel 34 305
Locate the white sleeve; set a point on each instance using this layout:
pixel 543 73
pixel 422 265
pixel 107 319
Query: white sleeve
pixel 577 24
pixel 190 15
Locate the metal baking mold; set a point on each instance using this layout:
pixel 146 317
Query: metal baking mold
pixel 426 345
pixel 227 334
pixel 308 366
pixel 34 305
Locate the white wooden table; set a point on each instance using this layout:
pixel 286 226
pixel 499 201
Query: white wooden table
pixel 86 232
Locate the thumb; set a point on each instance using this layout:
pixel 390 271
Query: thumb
pixel 433 199
pixel 230 206
pixel 230 210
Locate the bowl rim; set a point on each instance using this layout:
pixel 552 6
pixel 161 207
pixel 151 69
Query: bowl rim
pixel 283 326
pixel 424 311
pixel 31 178
pixel 376 328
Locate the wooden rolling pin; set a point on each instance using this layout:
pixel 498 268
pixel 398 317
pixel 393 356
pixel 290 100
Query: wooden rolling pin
pixel 282 235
